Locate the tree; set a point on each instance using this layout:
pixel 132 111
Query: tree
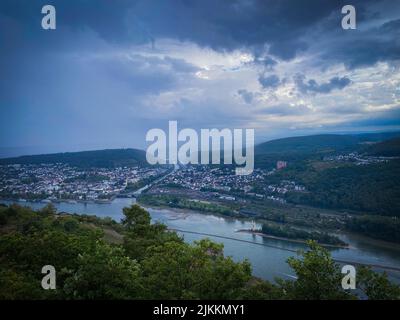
pixel 140 234
pixel 49 209
pixel 16 285
pixel 200 271
pixel 258 289
pixel 377 285
pixel 135 216
pixel 318 276
pixel 105 273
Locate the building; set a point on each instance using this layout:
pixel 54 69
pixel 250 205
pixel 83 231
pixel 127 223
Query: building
pixel 281 165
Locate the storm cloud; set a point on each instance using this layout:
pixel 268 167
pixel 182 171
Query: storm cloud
pixel 312 86
pixel 114 69
pixel 270 81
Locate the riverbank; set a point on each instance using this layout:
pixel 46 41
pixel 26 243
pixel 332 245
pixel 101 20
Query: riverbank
pixel 302 235
pixel 258 233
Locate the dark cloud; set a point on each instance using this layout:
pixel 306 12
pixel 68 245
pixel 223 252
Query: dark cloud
pixel 311 86
pixel 143 74
pixel 287 50
pixel 266 61
pixel 84 82
pixel 247 96
pixel 271 81
pixel 282 26
pixel 367 48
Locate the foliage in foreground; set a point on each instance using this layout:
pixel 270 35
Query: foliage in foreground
pixel 149 263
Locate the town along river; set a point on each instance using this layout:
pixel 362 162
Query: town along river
pixel 267 256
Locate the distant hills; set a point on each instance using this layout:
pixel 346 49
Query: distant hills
pixel 108 158
pixel 267 153
pixel 307 144
pixel 322 144
pixel 388 148
pixel 317 146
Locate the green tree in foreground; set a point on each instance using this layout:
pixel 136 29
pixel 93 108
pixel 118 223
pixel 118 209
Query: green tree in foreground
pixel 140 234
pixel 318 276
pixel 200 271
pixel 105 273
pixel 377 285
pixel 150 263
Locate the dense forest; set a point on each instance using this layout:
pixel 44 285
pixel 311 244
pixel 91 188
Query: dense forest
pixel 108 158
pixel 186 203
pixel 373 189
pixel 385 228
pixel 293 233
pixel 135 259
pixel 388 148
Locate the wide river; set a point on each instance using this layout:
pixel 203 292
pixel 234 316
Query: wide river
pixel 267 256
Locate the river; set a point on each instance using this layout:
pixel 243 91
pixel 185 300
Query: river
pixel 267 256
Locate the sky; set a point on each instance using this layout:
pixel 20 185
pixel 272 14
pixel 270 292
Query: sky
pixel 112 70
